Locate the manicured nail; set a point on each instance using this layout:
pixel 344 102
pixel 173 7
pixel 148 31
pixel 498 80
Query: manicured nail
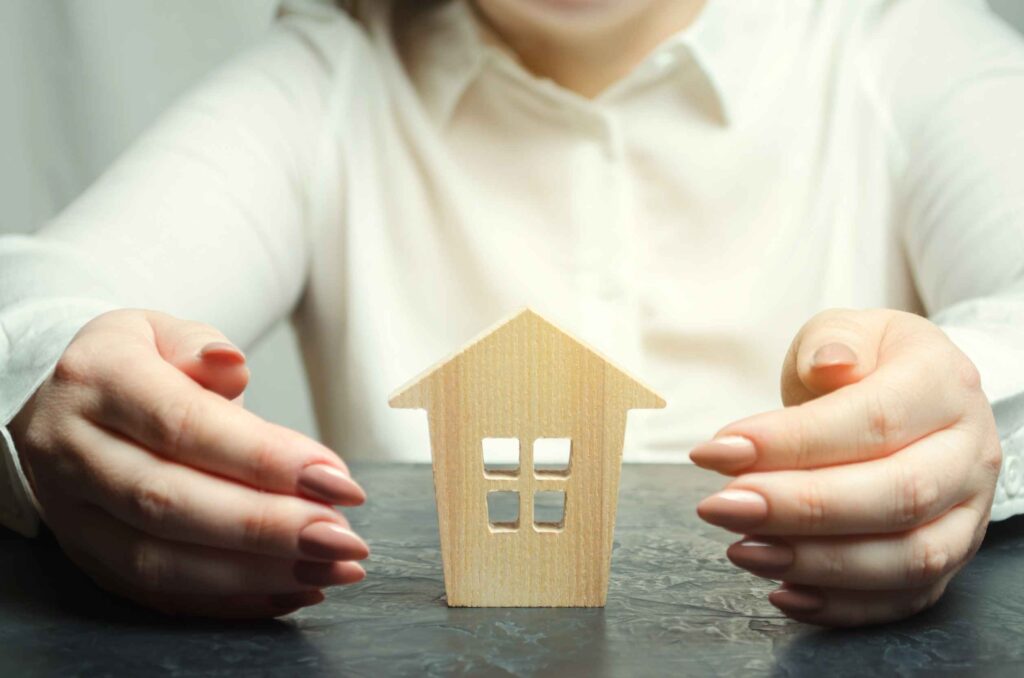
pixel 356 571
pixel 791 598
pixel 726 454
pixel 330 541
pixel 330 484
pixel 761 556
pixel 834 355
pixel 221 351
pixel 734 509
pixel 292 601
pixel 328 574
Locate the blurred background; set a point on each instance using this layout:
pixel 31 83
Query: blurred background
pixel 80 79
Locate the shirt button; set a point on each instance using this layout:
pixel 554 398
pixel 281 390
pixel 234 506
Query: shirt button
pixel 1012 478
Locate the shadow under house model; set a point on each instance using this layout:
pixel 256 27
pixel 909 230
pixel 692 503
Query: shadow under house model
pixel 526 381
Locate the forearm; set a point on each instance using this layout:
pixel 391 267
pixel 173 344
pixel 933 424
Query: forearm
pixel 956 116
pixel 204 217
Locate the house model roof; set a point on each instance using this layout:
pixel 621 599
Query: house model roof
pixel 527 325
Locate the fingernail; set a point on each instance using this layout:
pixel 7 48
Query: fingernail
pixel 331 541
pixel 359 572
pixel 292 601
pixel 792 598
pixel 761 556
pixel 329 484
pixel 834 355
pixel 328 574
pixel 221 351
pixel 734 509
pixel 725 454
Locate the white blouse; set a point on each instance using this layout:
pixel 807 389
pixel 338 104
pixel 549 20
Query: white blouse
pixel 397 186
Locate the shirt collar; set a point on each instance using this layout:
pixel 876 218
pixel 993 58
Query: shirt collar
pixel 444 52
pixel 727 41
pixel 447 49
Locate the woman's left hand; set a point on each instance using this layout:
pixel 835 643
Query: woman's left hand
pixel 873 487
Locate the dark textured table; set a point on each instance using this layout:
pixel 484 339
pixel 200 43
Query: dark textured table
pixel 675 606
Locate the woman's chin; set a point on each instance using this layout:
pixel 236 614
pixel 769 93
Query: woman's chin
pixel 582 5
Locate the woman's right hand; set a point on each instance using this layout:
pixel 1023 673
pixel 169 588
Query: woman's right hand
pixel 166 491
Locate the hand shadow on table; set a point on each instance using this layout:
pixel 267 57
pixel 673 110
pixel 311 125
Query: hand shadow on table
pixel 54 618
pixel 976 623
pixel 40 578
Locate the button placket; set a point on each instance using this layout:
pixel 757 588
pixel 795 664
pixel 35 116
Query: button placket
pixel 596 212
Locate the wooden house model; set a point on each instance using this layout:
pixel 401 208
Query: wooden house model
pixel 526 384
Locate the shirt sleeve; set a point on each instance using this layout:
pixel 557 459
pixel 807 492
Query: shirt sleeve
pixel 950 79
pixel 206 217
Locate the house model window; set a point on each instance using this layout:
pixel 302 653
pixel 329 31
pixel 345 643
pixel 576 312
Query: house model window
pixel 550 459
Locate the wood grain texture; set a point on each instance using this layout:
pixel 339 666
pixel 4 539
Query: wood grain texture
pixel 526 379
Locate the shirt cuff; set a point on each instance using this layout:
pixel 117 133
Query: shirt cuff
pixel 998 354
pixel 19 509
pixel 1009 499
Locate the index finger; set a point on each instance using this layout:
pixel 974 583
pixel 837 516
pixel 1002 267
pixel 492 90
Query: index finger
pixel 163 409
pixel 901 401
pixel 893 494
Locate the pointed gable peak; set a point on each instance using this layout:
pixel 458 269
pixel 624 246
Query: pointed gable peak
pixel 528 322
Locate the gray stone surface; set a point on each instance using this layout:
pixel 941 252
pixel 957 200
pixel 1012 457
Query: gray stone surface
pixel 676 606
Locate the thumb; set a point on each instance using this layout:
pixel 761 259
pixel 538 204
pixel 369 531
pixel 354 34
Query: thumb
pixel 203 353
pixel 834 348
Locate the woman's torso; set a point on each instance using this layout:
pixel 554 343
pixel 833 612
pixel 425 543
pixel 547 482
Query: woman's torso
pixel 687 222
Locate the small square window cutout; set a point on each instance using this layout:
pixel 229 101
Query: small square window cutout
pixel 503 509
pixel 549 510
pixel 501 456
pixel 551 456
